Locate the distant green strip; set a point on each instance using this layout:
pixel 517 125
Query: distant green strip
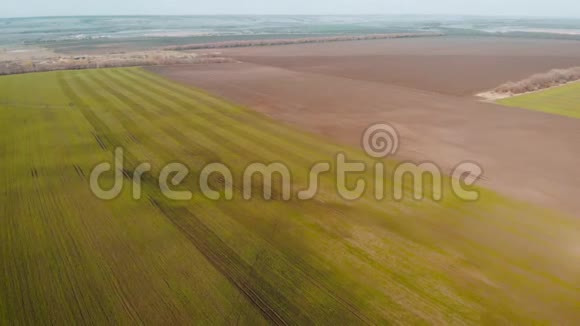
pixel 564 100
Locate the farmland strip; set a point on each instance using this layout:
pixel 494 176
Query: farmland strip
pixel 268 129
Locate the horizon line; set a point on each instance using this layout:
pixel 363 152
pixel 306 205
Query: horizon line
pixel 302 15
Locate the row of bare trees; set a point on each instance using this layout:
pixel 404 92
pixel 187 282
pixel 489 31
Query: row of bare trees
pixel 151 58
pixel 537 82
pixel 266 42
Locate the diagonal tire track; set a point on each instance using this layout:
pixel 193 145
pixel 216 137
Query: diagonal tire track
pixel 225 260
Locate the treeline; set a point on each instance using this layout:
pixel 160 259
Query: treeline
pixel 267 42
pixel 152 58
pixel 537 82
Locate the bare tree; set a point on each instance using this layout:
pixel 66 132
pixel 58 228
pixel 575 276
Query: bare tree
pixel 267 42
pixel 537 82
pixel 150 58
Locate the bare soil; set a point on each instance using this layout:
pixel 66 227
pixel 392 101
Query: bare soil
pixel 450 65
pixel 424 88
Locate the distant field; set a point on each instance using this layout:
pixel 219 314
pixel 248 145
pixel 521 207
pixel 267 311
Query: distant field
pixel 447 68
pixel 67 257
pixel 563 100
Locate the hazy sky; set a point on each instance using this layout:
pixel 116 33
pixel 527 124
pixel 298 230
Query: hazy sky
pixel 21 8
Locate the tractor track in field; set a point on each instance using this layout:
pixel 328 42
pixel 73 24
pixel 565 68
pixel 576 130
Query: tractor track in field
pixel 276 194
pixel 337 298
pixel 173 133
pixel 167 129
pixel 229 264
pixel 259 141
pixel 135 108
pixel 180 137
pixel 242 283
pixel 100 142
pixel 79 171
pixel 267 125
pixel 100 129
pixel 32 105
pixel 133 127
pixel 233 120
pixel 309 273
pixel 324 288
pixel 132 104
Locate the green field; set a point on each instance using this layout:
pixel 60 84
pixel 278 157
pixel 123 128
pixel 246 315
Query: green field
pixel 67 257
pixel 563 100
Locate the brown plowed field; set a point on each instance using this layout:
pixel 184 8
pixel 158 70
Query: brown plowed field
pixel 424 88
